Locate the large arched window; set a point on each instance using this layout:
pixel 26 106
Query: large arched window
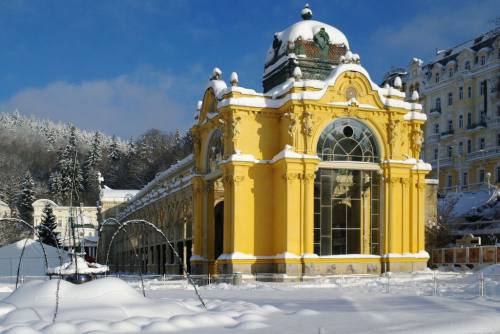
pixel 215 151
pixel 346 139
pixel 347 191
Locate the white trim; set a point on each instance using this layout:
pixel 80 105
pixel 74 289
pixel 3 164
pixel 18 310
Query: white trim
pixel 349 165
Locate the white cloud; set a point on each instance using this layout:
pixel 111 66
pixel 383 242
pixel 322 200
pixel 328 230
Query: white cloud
pixel 126 105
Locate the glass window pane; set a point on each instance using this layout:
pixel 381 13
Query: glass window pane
pixel 353 241
pixel 326 221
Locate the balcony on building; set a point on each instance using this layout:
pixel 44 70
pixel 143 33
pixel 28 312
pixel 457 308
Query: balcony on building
pixel 447 133
pixel 435 111
pixel 479 125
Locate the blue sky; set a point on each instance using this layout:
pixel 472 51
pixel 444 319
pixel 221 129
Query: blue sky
pixel 123 67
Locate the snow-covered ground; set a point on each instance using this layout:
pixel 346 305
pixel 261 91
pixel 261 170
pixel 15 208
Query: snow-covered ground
pixel 408 304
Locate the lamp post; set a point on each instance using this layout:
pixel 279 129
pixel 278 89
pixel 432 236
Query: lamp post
pixel 488 175
pixel 439 145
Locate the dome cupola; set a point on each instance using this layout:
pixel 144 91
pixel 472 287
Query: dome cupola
pixel 313 46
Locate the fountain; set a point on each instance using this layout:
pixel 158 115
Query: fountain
pixel 147 224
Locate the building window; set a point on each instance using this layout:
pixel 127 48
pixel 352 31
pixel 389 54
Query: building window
pixel 59 222
pixel 437 77
pixel 469 145
pixel 482 144
pixel 465 178
pixel 467 65
pixel 449 181
pixel 460 93
pixel 215 152
pixel 436 154
pixel 482 116
pixel 481 176
pixel 438 104
pixel 450 125
pixel 498 139
pixel 343 196
pixel 469 92
pixel 450 98
pixel 482 86
pixel 417 87
pixel 460 148
pixel 450 151
pixel 483 60
pixel 460 121
pixel 498 174
pixel 469 118
pixel 450 72
pixel 497 111
pixel 436 128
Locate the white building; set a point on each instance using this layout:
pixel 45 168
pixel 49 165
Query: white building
pixel 4 210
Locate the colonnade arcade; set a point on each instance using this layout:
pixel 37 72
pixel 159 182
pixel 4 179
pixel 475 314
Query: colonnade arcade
pixel 173 215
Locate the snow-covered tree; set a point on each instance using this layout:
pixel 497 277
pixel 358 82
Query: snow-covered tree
pixel 27 198
pixel 55 187
pixel 115 153
pixel 49 220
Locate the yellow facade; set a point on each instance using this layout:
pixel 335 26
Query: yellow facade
pixel 318 175
pixel 268 197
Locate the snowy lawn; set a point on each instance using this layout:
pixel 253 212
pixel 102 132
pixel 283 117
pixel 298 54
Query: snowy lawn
pixel 362 306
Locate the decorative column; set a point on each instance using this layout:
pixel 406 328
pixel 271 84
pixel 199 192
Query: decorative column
pixel 308 217
pixel 198 213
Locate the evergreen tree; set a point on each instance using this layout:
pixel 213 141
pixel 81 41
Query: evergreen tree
pixel 55 187
pixel 49 221
pixel 91 167
pixel 27 198
pixel 115 153
pixel 50 139
pixel 69 167
pixel 130 153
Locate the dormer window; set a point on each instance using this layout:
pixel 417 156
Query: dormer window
pixel 483 60
pixel 450 72
pixel 460 93
pixel 467 65
pixel 437 77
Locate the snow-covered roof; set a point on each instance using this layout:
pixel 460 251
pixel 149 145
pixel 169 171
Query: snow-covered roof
pixel 43 201
pixel 305 30
pixel 3 204
pixel 117 194
pixel 33 262
pixel 263 101
pixel 477 44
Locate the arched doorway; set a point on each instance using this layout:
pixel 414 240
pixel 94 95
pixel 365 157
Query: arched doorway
pixel 219 230
pixel 347 190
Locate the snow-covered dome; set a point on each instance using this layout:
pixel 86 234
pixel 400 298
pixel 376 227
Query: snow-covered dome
pixel 302 42
pixel 306 30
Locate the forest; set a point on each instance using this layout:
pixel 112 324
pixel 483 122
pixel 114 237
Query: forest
pixel 43 159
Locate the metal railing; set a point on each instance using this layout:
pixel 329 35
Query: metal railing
pixel 447 133
pixel 429 283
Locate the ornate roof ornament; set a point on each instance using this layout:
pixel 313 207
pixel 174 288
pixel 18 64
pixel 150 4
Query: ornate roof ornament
pixel 321 38
pixel 350 58
pixel 306 13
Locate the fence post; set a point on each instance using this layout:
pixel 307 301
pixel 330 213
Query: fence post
pixel 435 284
pixel 481 286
